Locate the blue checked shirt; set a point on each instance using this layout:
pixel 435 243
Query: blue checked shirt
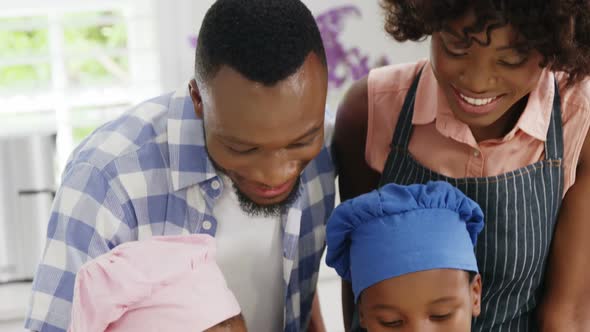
pixel 147 173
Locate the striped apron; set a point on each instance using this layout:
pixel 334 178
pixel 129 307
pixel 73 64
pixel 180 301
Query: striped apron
pixel 520 209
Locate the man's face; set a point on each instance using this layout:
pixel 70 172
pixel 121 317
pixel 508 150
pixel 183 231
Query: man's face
pixel 429 301
pixel 263 137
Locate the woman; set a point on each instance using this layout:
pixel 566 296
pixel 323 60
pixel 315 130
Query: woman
pixel 501 110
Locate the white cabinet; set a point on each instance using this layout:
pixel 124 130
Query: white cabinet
pixel 12 326
pixel 14 299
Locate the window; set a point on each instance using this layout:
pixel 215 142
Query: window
pixel 70 67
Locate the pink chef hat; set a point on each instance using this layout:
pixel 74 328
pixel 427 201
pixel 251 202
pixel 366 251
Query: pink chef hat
pixel 166 283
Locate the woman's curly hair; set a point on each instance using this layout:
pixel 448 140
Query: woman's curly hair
pixel 558 29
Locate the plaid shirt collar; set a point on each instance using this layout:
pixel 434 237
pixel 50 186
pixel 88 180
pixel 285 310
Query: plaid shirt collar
pixel 186 140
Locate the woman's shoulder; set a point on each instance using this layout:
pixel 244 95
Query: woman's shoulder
pixel 575 114
pixel 575 99
pixel 393 78
pixel 387 78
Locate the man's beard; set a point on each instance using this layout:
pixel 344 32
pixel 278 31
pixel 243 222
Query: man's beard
pixel 254 209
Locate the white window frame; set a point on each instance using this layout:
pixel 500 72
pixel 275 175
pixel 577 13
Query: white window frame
pixel 143 58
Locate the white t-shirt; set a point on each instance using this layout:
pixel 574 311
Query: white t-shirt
pixel 250 254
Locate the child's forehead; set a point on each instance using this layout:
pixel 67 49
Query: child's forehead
pixel 427 287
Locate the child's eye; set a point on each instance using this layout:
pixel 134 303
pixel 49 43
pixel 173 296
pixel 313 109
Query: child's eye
pixel 299 145
pixel 395 323
pixel 243 152
pixel 441 317
pixel 304 143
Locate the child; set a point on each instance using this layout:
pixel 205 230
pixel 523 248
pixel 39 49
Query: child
pixel 501 110
pixel 167 283
pixel 409 254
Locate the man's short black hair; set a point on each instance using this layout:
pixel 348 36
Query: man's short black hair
pixel 264 40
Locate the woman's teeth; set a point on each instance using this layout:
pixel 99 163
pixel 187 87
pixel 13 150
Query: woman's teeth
pixel 477 101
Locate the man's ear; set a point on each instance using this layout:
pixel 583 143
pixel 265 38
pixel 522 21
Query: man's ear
pixel 196 98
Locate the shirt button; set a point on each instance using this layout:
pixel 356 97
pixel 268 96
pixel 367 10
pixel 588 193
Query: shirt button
pixel 207 225
pixel 475 153
pixel 215 184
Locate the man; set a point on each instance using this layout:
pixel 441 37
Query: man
pixel 240 155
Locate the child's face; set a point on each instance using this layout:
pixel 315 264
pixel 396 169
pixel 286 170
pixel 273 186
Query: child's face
pixel 234 324
pixel 428 301
pixel 494 75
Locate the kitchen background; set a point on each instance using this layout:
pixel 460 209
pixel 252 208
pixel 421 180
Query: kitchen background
pixel 68 66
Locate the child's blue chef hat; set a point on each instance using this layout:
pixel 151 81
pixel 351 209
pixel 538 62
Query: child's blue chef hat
pixel 398 230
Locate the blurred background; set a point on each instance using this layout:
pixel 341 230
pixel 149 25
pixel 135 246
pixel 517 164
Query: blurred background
pixel 68 66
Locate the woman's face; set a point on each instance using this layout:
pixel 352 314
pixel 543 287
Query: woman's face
pixel 485 79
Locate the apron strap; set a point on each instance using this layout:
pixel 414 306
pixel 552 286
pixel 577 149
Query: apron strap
pixel 554 141
pixel 403 130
